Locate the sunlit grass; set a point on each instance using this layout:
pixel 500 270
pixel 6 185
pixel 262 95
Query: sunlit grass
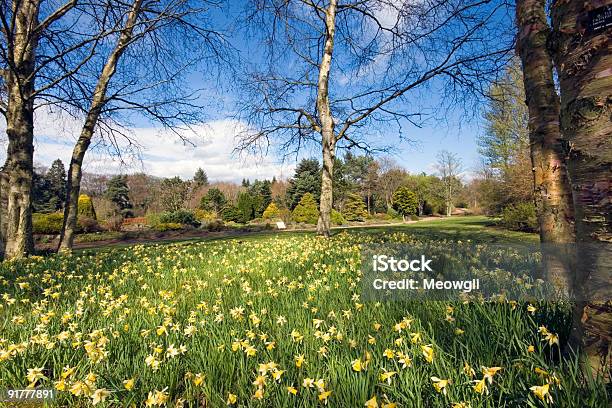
pixel 269 321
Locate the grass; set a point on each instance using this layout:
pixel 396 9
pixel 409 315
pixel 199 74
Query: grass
pixel 196 323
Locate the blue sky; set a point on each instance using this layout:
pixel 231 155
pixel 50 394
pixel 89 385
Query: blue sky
pixel 162 155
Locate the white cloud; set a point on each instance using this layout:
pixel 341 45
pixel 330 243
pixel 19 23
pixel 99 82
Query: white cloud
pixel 162 153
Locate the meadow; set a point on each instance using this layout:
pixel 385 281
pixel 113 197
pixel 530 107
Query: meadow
pixel 276 320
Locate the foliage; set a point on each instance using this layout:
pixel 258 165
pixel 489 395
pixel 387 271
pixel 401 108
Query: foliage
pixel 246 207
pixel 230 213
pixel 271 212
pixel 49 188
pixel 50 224
pixel 261 193
pixel 118 192
pixel 214 200
pixel 168 226
pixel 507 119
pixel 307 179
pixel 354 208
pixel 405 201
pixel 172 194
pixel 306 210
pixel 182 216
pixel 520 217
pixel 337 218
pixel 205 216
pixel 85 207
pixel 200 178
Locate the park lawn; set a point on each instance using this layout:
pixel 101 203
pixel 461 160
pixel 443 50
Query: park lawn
pixel 276 320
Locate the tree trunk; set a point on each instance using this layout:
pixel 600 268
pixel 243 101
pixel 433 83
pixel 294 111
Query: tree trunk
pixel 73 190
pixel 4 188
pixel 19 83
pixel 73 185
pixel 328 138
pixel 19 168
pixel 553 199
pixel 584 64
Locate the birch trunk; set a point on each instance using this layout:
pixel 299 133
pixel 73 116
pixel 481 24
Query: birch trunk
pixel 73 184
pixel 328 138
pixel 553 199
pixel 19 80
pixel 584 65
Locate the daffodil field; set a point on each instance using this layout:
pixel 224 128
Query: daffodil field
pixel 273 321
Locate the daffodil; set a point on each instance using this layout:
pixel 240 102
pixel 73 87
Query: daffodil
pixel 231 399
pixel 428 353
pixel 440 384
pixel 371 403
pixel 542 392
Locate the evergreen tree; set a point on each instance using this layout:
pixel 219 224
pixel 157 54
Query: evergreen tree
pixel 271 212
pixel 117 191
pixel 246 207
pixel 214 200
pixel 56 176
pixel 307 179
pixel 200 179
pixel 306 210
pixel 41 194
pixel 405 201
pixel 354 208
pixel 261 191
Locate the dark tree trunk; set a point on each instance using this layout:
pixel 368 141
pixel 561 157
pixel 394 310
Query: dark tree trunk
pixel 553 199
pixel 584 64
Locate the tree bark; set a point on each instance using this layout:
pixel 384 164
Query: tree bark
pixel 553 199
pixel 19 81
pixel 584 65
pixel 4 188
pixel 328 137
pixel 73 184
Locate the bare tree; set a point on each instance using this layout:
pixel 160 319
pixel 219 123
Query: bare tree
pixel 392 176
pixel 340 71
pixel 553 198
pixel 40 50
pixel 168 38
pixel 449 166
pixel 583 56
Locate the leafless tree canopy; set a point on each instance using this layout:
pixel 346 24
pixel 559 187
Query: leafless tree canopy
pixel 387 55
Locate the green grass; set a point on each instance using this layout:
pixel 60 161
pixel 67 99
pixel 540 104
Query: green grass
pixel 129 301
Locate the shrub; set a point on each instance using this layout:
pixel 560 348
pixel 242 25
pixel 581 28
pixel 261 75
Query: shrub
pixel 85 207
pixel 87 224
pixel 184 217
pixel 520 217
pixel 391 213
pixel 271 212
pixel 231 214
pixel 355 209
pixel 214 225
pixel 204 215
pixel 113 223
pixel 168 226
pixel 47 223
pixel 337 218
pixel 306 210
